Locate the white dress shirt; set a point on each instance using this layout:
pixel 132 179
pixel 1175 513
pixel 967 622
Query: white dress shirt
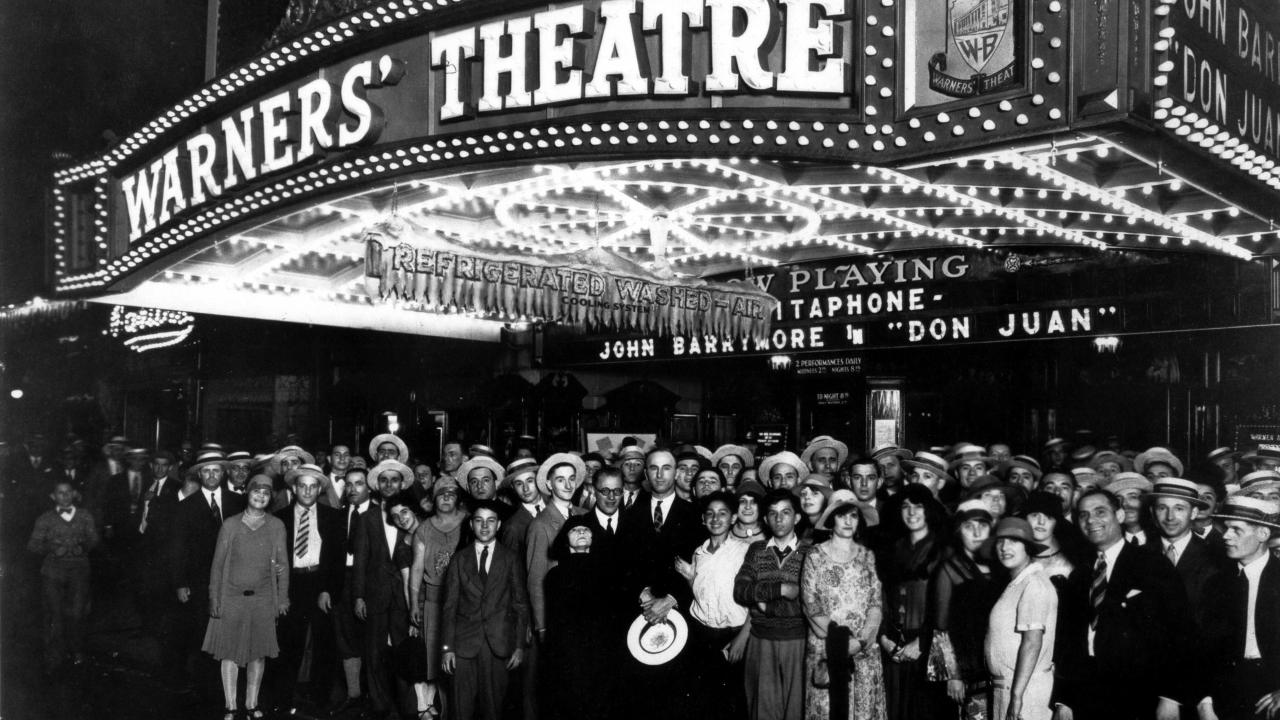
pixel 606 519
pixel 666 504
pixel 351 519
pixel 488 561
pixel 1253 571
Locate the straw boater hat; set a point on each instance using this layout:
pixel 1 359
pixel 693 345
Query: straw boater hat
pixel 1053 442
pixel 786 457
pixel 389 465
pixel 212 457
pixel 1251 510
pixel 481 461
pixel 1262 452
pixel 973 509
pixel 705 452
pixel 402 450
pixel 312 470
pixel 479 449
pixel 1084 472
pixel 290 451
pixel 825 441
pixel 1178 489
pixel 1126 465
pixel 969 453
pixel 1157 455
pixel 1083 454
pixel 1123 481
pixel 519 468
pixel 1217 454
pixel 1026 462
pixel 1260 481
pixel 137 452
pixel 544 470
pixel 743 454
pixel 887 449
pixel 926 460
pixel 240 456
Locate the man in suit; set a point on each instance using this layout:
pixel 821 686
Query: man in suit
pixel 1175 506
pixel 315 541
pixel 122 500
pixel 522 478
pixel 631 462
pixel 1130 659
pixel 334 492
pixel 606 516
pixel 196 525
pixel 153 522
pixel 1245 658
pixel 656 530
pixel 348 630
pixel 558 478
pixel 485 618
pixel 1211 494
pixel 376 581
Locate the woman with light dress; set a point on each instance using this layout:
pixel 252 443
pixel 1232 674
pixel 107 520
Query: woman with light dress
pixel 434 542
pixel 1022 629
pixel 839 588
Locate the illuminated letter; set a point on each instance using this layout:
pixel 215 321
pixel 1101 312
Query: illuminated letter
pixel 140 197
pixel 368 117
pixel 318 113
pixel 275 131
pixel 448 52
pixel 746 48
pixel 496 65
pixel 555 55
pixel 171 196
pixel 807 46
pixel 617 54
pixel 239 148
pixel 201 153
pixel 668 18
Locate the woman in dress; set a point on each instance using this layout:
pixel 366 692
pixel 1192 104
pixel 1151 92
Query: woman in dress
pixel 963 591
pixel 913 520
pixel 410 663
pixel 578 667
pixel 747 527
pixel 434 542
pixel 248 590
pixel 720 626
pixel 1022 629
pixel 839 588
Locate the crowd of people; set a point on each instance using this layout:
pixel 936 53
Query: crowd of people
pixel 674 581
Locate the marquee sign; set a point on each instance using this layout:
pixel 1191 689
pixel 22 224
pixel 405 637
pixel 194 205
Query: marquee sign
pixel 923 300
pixel 145 329
pixel 403 87
pixel 597 290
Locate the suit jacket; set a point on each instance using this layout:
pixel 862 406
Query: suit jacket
pixel 649 555
pixel 1197 566
pixel 493 613
pixel 155 507
pixel 195 535
pixel 542 532
pixel 515 530
pixel 333 545
pixel 376 579
pixel 602 541
pixel 1141 637
pixel 119 508
pixel 1227 629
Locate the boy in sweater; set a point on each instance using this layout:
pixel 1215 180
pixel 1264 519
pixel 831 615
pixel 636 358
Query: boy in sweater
pixel 769 584
pixel 64 536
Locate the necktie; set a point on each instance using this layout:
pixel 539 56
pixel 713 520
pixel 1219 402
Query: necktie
pixel 609 527
pixel 631 498
pixel 1098 588
pixel 213 508
pixel 657 516
pixel 304 534
pixel 782 553
pixel 537 509
pixel 1133 541
pixel 1171 552
pixel 484 564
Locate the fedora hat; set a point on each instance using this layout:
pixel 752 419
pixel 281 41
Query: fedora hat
pixel 786 457
pixel 837 500
pixel 212 457
pixel 657 643
pixel 888 449
pixel 312 470
pixel 1124 481
pixel 579 470
pixel 825 441
pixel 1157 455
pixel 743 454
pixel 388 465
pixel 402 450
pixel 926 460
pixel 1017 528
pixel 1251 510
pixel 1178 489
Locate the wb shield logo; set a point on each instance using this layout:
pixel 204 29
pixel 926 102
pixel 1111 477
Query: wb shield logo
pixel 977 27
pixel 978 50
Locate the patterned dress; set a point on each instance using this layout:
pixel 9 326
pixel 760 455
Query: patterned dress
pixel 846 593
pixel 439 547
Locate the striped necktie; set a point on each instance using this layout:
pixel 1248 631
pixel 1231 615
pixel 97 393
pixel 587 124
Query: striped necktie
pixel 1098 588
pixel 304 534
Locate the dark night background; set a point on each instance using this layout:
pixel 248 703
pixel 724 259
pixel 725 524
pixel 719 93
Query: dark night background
pixel 70 72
